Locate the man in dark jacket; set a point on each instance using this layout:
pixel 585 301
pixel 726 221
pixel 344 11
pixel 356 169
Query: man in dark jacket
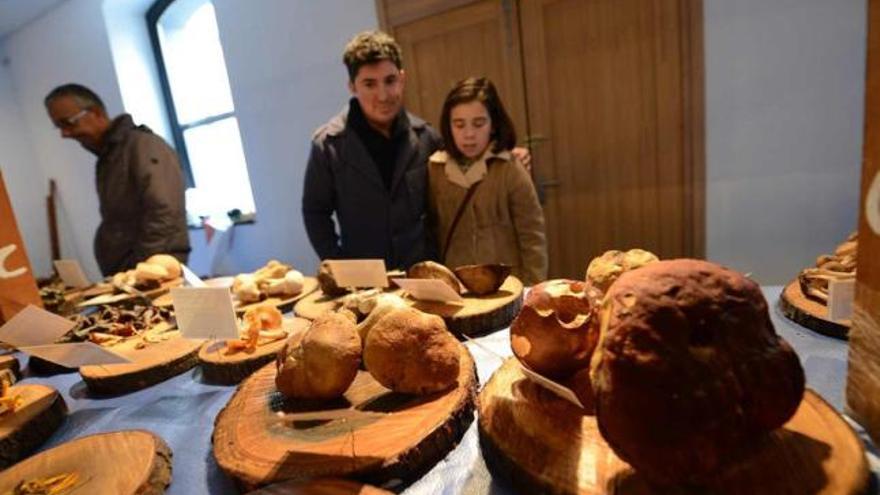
pixel 138 178
pixel 368 165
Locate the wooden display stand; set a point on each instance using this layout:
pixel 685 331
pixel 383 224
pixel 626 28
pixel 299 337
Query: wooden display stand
pixel 478 315
pixel 38 416
pixel 230 369
pixel 809 313
pixel 863 380
pixel 371 434
pixel 150 365
pixel 125 462
pixel 325 486
pixel 539 443
pixel 17 285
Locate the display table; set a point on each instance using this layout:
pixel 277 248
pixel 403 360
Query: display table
pixel 182 411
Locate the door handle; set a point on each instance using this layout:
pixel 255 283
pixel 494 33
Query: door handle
pixel 549 183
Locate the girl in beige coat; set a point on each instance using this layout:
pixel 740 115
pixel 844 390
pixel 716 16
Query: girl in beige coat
pixel 476 179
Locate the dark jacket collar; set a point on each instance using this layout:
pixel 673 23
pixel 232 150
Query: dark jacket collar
pixel 119 127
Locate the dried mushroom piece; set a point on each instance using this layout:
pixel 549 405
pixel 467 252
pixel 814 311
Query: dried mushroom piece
pixel 51 485
pixel 830 267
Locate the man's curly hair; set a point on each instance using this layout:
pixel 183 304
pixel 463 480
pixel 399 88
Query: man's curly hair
pixel 370 47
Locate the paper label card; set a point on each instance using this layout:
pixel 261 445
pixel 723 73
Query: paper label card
pixel 191 278
pixel 428 289
pixel 840 299
pixel 72 274
pixel 204 312
pixel 34 326
pixel 75 354
pixel 359 273
pixel 552 386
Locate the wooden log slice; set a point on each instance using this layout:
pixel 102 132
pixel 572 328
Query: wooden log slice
pixel 150 365
pixel 809 313
pixel 479 314
pixel 229 369
pixel 381 437
pixel 10 362
pixel 125 462
pixel 32 423
pixel 538 443
pixel 325 486
pixel 310 285
pixel 125 298
pixel 40 366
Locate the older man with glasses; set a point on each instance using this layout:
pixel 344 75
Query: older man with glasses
pixel 138 177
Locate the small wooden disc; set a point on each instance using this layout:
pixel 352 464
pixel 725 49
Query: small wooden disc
pixel 150 365
pixel 809 313
pixel 538 442
pixel 230 369
pixel 479 314
pixel 120 463
pixel 310 285
pixel 109 298
pixel 326 486
pixel 10 362
pixel 371 434
pixel 38 416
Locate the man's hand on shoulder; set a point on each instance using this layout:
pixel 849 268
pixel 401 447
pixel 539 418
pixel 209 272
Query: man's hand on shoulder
pixel 524 156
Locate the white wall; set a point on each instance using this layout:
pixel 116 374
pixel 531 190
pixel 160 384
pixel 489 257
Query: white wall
pixel 24 179
pixel 68 44
pixel 784 112
pixel 285 69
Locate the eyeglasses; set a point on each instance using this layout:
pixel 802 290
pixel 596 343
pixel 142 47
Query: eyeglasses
pixel 68 122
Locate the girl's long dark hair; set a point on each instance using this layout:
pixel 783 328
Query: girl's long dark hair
pixel 478 89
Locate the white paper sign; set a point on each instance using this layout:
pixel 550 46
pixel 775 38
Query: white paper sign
pixel 359 273
pixel 428 289
pixel 191 278
pixel 204 312
pixel 75 354
pixel 34 326
pixel 552 386
pixel 840 299
pixel 72 274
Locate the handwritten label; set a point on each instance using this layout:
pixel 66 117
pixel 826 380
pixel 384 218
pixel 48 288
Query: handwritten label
pixel 840 299
pixel 552 386
pixel 204 312
pixel 34 326
pixel 72 274
pixel 191 278
pixel 6 272
pixel 428 289
pixel 76 354
pixel 359 273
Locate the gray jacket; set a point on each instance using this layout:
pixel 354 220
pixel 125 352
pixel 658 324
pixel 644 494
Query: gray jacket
pixel 141 194
pixel 374 222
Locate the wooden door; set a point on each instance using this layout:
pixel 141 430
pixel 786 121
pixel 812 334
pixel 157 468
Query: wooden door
pixel 446 41
pixel 611 89
pixel 608 92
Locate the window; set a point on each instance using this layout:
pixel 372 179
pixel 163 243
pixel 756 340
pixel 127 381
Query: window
pixel 201 111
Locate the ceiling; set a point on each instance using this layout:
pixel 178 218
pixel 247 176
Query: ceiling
pixel 16 13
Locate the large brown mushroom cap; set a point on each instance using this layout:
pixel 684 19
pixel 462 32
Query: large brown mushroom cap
pixel 412 352
pixel 557 329
pixel 689 370
pixel 431 269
